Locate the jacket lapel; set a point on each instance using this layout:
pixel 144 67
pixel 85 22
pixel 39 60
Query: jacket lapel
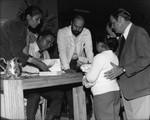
pixel 128 41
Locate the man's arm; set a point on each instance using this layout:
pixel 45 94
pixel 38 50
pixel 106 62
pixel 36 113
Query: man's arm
pixel 16 33
pixel 62 49
pixel 114 72
pixel 142 60
pixel 89 46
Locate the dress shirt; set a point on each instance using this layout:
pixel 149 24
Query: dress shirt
pixel 34 51
pixel 125 33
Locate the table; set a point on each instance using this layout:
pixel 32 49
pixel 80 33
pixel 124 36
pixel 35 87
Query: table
pixel 13 100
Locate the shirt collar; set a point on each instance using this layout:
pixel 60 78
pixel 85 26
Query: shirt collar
pixel 35 45
pixel 126 32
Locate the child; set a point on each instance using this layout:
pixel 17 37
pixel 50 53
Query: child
pixel 106 100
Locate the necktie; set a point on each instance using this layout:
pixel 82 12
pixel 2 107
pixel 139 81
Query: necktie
pixel 121 46
pixel 41 54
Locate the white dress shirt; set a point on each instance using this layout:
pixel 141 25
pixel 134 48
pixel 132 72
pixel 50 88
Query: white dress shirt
pixel 34 51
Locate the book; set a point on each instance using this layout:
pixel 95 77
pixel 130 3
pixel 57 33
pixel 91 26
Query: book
pixel 50 73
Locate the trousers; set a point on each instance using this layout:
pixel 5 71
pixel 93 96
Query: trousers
pixel 107 106
pixel 137 109
pixel 53 95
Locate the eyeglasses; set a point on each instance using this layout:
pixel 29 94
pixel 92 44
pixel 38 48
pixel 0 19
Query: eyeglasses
pixel 49 40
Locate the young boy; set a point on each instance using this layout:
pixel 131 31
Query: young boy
pixel 106 100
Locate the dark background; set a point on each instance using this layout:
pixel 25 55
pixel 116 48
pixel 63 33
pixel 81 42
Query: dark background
pixel 96 12
pixel 96 17
pixel 99 11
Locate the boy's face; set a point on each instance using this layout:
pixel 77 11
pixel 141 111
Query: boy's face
pixel 100 47
pixel 45 42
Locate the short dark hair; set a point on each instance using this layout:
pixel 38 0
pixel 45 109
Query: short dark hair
pixel 46 33
pixel 111 42
pixel 123 13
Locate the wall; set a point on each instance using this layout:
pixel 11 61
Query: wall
pixel 9 8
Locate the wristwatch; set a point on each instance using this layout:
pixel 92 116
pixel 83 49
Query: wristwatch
pixel 123 69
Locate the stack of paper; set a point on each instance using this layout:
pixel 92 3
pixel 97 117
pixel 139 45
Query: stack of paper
pixel 83 60
pixel 85 67
pixel 54 67
pixel 50 73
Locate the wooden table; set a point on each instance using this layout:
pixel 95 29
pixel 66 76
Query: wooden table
pixel 13 100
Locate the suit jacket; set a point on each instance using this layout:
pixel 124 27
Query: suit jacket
pixel 13 40
pixel 67 46
pixel 135 58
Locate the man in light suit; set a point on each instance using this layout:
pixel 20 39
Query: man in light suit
pixel 74 41
pixel 134 68
pixel 74 45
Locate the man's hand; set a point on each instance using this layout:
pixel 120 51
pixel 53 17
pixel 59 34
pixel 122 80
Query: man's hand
pixel 70 71
pixel 86 83
pixel 41 65
pixel 114 72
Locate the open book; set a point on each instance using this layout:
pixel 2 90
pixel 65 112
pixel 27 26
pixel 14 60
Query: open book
pixel 54 67
pixel 54 64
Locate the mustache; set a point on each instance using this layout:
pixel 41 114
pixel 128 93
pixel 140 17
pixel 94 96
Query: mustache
pixel 76 31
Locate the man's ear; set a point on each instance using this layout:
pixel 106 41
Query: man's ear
pixel 28 17
pixel 121 19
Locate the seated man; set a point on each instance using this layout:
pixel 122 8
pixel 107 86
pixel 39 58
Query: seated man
pixel 38 49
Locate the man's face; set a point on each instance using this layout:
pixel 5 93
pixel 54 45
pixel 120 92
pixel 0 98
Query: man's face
pixel 110 31
pixel 45 42
pixel 77 26
pixel 117 25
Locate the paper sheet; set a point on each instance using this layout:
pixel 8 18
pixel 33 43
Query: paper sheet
pixel 54 63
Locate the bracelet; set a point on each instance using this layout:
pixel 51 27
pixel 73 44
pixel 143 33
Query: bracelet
pixel 123 69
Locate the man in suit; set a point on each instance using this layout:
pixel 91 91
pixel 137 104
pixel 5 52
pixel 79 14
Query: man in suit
pixel 134 68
